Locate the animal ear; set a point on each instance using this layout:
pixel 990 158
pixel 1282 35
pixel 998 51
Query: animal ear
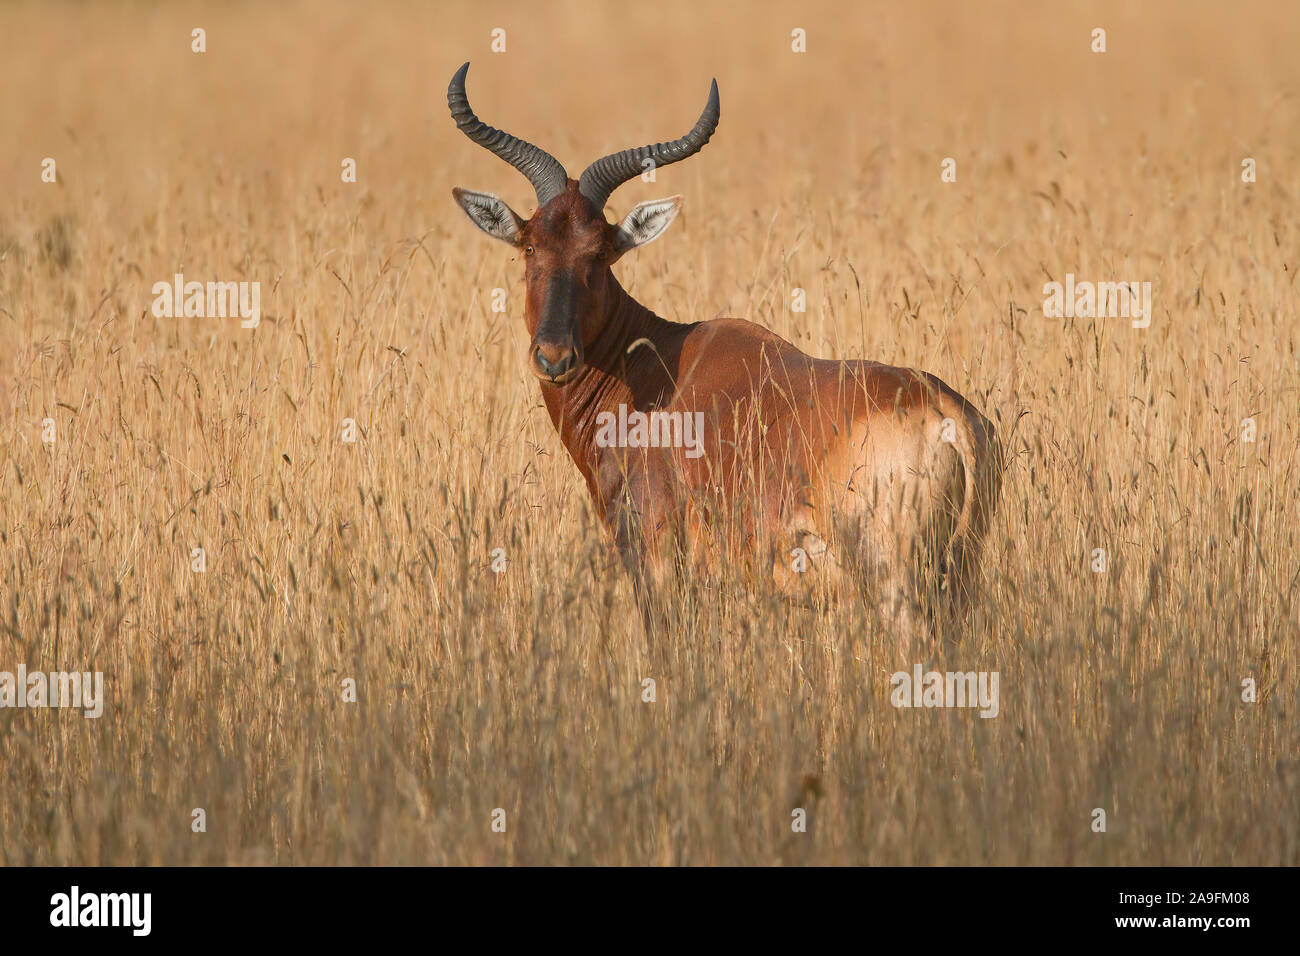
pixel 645 223
pixel 491 214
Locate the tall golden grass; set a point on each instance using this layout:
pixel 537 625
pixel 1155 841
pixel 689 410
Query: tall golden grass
pixel 371 560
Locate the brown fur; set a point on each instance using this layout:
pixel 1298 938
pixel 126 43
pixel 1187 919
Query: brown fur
pixel 845 459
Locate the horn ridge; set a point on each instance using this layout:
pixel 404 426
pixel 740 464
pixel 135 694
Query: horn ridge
pixel 606 174
pixel 542 170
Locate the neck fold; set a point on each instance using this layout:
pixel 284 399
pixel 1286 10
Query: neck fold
pixel 642 379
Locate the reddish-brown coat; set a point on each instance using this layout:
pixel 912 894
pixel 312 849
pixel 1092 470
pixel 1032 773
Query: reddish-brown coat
pixel 792 444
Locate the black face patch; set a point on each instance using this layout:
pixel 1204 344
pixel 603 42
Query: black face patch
pixel 559 309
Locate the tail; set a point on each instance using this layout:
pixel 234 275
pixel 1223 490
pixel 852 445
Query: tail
pixel 983 463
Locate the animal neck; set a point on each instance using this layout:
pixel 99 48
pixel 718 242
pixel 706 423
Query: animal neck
pixel 642 379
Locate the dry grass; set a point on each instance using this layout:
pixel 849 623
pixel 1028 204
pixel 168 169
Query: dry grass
pixel 370 560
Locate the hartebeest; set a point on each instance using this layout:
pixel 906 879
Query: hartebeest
pixel 808 469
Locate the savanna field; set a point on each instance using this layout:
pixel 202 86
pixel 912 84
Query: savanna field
pixel 129 440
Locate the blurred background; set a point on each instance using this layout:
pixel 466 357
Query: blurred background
pixel 371 560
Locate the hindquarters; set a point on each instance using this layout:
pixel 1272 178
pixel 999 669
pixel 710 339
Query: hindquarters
pixel 910 496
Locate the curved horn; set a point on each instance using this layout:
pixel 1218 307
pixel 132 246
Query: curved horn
pixel 605 175
pixel 542 169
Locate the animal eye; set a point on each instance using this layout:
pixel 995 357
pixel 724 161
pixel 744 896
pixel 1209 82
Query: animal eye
pixel 528 250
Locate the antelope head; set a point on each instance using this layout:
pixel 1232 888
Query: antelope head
pixel 568 245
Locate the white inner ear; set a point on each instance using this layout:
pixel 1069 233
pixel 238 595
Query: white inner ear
pixel 646 222
pixel 490 213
